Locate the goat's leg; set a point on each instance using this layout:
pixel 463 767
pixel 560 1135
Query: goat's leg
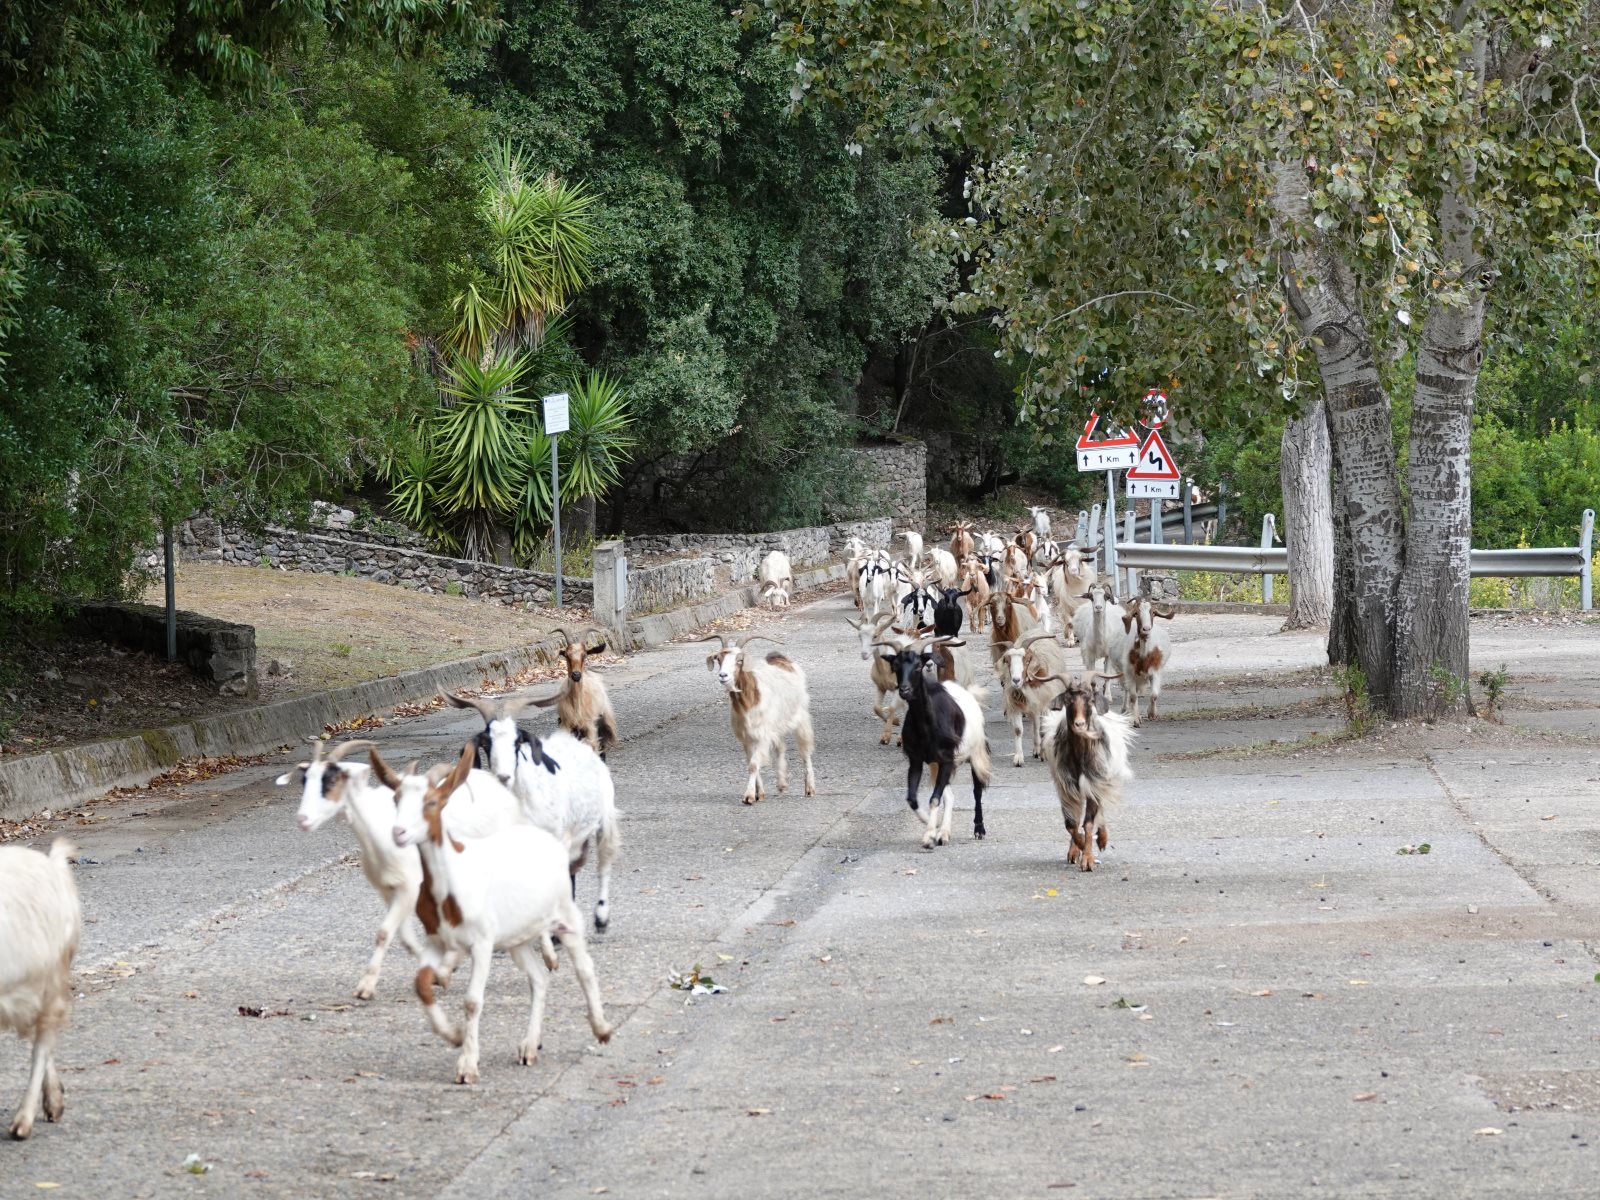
pixel 437 1021
pixel 530 960
pixel 583 968
pixel 805 742
pixel 467 1064
pixel 1091 819
pixel 753 788
pixel 978 831
pixel 913 782
pixel 55 1096
pixel 783 764
pixel 1018 757
pixel 1038 734
pixel 1155 695
pixel 887 712
pixel 402 902
pixel 43 1047
pixel 607 844
pixel 938 831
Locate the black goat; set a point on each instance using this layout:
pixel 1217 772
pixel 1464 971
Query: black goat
pixel 947 612
pixel 944 727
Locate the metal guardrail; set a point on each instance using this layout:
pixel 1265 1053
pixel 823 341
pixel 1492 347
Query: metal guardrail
pixel 1267 560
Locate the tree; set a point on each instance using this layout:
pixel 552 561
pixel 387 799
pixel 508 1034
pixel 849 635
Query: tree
pixel 1340 180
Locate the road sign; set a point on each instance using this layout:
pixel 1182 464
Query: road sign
pixel 1112 453
pixel 1155 476
pixel 555 413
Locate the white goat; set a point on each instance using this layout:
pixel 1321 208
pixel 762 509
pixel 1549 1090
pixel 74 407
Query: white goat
pixel 913 546
pixel 561 785
pixel 1041 521
pixel 886 706
pixel 1086 748
pixel 767 701
pixel 40 923
pixel 496 893
pixel 879 587
pixel 943 565
pixel 777 578
pixel 991 544
pixel 330 788
pixel 1070 578
pixel 1094 623
pixel 1028 673
pixel 1139 650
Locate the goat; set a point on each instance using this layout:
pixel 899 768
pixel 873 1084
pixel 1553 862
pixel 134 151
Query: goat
pixel 1041 521
pixel 943 728
pixel 560 783
pixel 947 612
pixel 991 544
pixel 975 580
pixel 495 893
pixel 40 923
pixel 777 578
pixel 331 788
pixel 883 680
pixel 1026 670
pixel 943 564
pixel 1012 619
pixel 767 701
pixel 856 557
pixel 1028 541
pixel 1094 623
pixel 1014 560
pixel 961 540
pixel 913 546
pixel 1086 748
pixel 1070 577
pixel 583 707
pixel 1138 651
pixel 914 599
pixel 879 588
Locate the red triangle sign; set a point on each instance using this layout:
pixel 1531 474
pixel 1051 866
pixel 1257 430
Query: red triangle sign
pixel 1087 440
pixel 1155 461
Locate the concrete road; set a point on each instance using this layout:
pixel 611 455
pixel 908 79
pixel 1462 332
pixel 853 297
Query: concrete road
pixel 1254 996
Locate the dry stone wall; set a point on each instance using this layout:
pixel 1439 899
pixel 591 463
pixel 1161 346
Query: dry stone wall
pixel 329 554
pixel 895 476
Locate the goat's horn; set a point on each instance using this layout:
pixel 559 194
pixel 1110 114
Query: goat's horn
pixel 715 637
pixel 1107 675
pixel 887 645
pixel 344 748
pixel 510 706
pixel 756 637
pixel 1167 614
pixel 485 707
pixel 543 701
pixel 566 638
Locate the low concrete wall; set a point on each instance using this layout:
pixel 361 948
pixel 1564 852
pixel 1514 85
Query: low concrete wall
pixel 74 774
pixel 711 563
pixel 213 648
pixel 337 554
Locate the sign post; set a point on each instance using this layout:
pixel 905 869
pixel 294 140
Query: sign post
pixel 555 424
pixel 1109 454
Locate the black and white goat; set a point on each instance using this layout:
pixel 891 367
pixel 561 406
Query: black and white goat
pixel 944 728
pixel 1087 748
pixel 947 611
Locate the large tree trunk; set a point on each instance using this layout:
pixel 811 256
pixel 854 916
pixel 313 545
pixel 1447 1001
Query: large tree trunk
pixel 1305 468
pixel 1342 622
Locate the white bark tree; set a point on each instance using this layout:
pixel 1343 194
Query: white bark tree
pixel 1305 474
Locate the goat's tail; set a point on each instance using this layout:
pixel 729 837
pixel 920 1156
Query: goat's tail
pixel 62 851
pixel 609 841
pixel 981 768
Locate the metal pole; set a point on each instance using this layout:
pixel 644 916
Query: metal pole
pixel 1586 544
pixel 1158 535
pixel 555 506
pixel 1082 532
pixel 172 592
pixel 1130 525
pixel 1108 560
pixel 1222 512
pixel 1092 536
pixel 1188 513
pixel 1267 524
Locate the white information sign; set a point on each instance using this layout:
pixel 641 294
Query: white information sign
pixel 555 413
pixel 1114 453
pixel 1151 489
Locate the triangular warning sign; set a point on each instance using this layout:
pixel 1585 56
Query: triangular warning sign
pixel 1087 440
pixel 1155 461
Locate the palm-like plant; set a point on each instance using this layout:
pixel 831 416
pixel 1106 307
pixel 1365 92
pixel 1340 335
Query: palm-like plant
pixel 478 445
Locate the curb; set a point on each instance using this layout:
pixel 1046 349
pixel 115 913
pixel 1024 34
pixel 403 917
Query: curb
pixel 74 774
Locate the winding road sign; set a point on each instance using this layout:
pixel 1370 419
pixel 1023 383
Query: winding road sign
pixel 1154 476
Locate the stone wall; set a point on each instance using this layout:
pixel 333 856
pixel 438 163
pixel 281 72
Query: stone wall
pixel 705 564
pixel 330 554
pixel 218 650
pixel 896 478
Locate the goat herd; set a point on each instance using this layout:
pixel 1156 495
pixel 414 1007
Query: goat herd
pixel 487 859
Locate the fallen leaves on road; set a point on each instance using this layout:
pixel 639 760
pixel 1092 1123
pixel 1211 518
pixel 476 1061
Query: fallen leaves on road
pixel 251 1010
pixel 1359 1096
pixel 1262 992
pixel 696 982
pixel 758 1112
pixel 1408 848
pixel 1488 1131
pixel 1092 981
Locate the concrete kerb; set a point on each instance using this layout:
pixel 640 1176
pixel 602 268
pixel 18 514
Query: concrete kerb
pixel 661 627
pixel 74 774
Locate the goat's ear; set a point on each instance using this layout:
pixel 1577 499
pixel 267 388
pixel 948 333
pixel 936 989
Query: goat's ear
pixel 1102 703
pixel 1127 622
pixel 598 648
pixel 711 661
pixel 382 770
pixel 297 775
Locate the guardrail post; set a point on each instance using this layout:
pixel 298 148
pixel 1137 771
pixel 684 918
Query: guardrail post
pixel 1158 535
pixel 1093 535
pixel 1268 525
pixel 1222 511
pixel 611 588
pixel 1130 525
pixel 1082 532
pixel 1188 512
pixel 1586 544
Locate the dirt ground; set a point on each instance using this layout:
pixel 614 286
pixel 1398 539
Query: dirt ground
pixel 322 631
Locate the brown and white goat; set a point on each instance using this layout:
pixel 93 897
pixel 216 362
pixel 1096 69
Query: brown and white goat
pixel 1013 617
pixel 1086 748
pixel 884 684
pixel 974 581
pixel 961 541
pixel 583 707
pixel 40 923
pixel 1028 673
pixel 1139 650
pixel 767 702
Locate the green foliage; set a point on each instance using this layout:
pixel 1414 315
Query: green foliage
pixel 1494 684
pixel 1351 680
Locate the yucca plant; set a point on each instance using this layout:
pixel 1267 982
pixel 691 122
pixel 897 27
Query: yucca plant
pixel 478 447
pixel 593 451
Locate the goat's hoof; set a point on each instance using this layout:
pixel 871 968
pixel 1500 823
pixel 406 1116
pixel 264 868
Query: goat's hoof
pixel 601 923
pixel 980 833
pixel 527 1054
pixel 22 1129
pixel 927 841
pixel 1016 760
pixel 602 1033
pixel 751 799
pixel 884 740
pixel 467 1074
pixel 365 991
pixel 783 787
pixel 811 789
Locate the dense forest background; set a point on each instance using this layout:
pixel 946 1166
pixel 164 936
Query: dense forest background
pixel 230 237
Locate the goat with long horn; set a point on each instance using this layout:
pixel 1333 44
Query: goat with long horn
pixel 768 701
